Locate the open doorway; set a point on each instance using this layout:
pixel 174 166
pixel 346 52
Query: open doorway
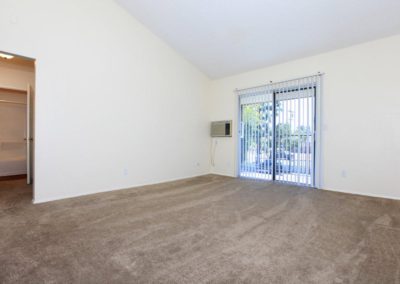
pixel 17 89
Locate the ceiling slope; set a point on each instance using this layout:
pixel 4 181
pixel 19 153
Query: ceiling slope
pixel 225 37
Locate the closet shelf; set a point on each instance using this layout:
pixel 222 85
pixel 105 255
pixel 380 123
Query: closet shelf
pixel 12 102
pixel 12 90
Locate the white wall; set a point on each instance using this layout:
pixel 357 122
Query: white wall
pixel 360 115
pixel 115 106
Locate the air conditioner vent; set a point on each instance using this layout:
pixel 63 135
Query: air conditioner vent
pixel 221 128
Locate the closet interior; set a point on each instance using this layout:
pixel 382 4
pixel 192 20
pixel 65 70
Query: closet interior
pixel 16 118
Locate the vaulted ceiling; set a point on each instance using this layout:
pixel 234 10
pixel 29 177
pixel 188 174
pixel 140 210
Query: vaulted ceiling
pixel 225 37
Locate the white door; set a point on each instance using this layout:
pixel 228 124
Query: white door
pixel 28 138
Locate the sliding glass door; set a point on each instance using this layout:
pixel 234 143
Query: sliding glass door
pixel 277 132
pixel 257 138
pixel 294 135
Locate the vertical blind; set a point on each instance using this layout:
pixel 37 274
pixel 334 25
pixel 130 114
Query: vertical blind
pixel 277 133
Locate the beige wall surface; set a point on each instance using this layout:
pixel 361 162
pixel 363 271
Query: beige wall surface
pixel 115 106
pixel 15 75
pixel 360 115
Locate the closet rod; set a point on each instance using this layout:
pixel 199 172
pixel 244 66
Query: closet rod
pixel 12 90
pixel 11 102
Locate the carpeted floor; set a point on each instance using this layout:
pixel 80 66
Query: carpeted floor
pixel 208 229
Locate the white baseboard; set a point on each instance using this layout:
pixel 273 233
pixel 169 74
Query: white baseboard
pixel 224 175
pixel 340 191
pixel 61 197
pixel 66 196
pixel 363 194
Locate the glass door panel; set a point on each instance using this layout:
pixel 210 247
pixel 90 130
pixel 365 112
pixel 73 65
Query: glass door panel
pixel 256 155
pixel 294 139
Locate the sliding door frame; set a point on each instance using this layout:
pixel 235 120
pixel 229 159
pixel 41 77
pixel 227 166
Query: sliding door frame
pixel 273 135
pixel 316 168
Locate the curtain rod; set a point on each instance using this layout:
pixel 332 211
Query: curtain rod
pixel 279 82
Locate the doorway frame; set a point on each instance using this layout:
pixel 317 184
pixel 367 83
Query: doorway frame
pixel 32 116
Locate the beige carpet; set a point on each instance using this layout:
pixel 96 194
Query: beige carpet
pixel 204 230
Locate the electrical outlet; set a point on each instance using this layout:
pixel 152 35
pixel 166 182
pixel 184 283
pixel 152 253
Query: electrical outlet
pixel 125 172
pixel 198 164
pixel 344 174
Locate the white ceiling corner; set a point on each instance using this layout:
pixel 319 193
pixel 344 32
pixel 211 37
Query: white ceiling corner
pixel 226 37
